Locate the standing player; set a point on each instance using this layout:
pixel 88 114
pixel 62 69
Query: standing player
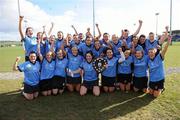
pixel 29 40
pixel 126 36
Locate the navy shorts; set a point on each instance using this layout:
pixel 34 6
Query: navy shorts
pixel 124 78
pixel 45 84
pixel 108 81
pixel 157 85
pixel 140 82
pixel 31 89
pixel 90 84
pixel 73 80
pixel 58 82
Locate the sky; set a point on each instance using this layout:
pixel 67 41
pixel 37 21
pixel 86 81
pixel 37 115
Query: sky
pixel 111 15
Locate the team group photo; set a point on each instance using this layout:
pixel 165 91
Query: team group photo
pixel 90 58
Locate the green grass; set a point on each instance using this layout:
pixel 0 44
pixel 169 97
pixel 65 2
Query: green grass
pixel 8 56
pixel 172 58
pixel 71 106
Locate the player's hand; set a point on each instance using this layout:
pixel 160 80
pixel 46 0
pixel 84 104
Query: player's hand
pixel 140 21
pixel 97 25
pixel 120 49
pixel 18 59
pixel 21 18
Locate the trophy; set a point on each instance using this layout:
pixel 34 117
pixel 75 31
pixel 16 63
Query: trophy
pixel 99 65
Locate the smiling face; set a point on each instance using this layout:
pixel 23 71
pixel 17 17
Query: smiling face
pixel 127 53
pixel 52 39
pixel 60 54
pixel 32 57
pixel 97 45
pixel 49 56
pixel 125 33
pixel 152 53
pixel 29 31
pixel 60 35
pixel 39 36
pixel 89 57
pixel 74 51
pixel 114 39
pixel 76 39
pixel 135 40
pixel 139 54
pixel 88 41
pixel 142 39
pixel 80 36
pixel 151 37
pixel 106 37
pixel 109 53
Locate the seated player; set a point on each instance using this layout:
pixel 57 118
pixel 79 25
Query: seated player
pixel 89 75
pixel 31 71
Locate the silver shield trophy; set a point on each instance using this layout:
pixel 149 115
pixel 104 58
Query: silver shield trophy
pixel 99 65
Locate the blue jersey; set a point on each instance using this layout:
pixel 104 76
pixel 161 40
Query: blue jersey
pixel 129 39
pixel 140 66
pixel 150 45
pixel 125 66
pixel 60 67
pixel 31 72
pixel 137 47
pixel 48 47
pixel 30 44
pixel 115 48
pixel 144 47
pixel 74 63
pixel 59 43
pixel 42 48
pixel 78 45
pixel 89 72
pixel 97 53
pixel 47 69
pixel 111 69
pixel 156 68
pixel 84 48
pixel 103 43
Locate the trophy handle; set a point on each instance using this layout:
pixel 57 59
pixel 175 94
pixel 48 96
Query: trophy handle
pixel 100 79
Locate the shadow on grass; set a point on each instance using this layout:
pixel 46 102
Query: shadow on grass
pixel 71 106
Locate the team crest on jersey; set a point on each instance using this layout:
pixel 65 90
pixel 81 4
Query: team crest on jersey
pixel 29 66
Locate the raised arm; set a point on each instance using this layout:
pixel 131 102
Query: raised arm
pixel 20 27
pixel 15 68
pixel 164 36
pixel 122 34
pixel 88 33
pixel 122 58
pixel 39 51
pixel 164 50
pixel 97 26
pixel 166 32
pixel 50 30
pixel 74 29
pixel 139 28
